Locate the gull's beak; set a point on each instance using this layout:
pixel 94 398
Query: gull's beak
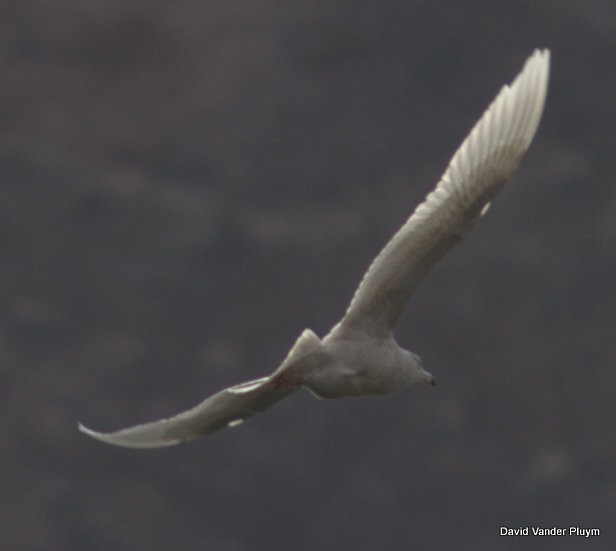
pixel 427 377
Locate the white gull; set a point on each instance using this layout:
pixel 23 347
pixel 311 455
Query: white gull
pixel 360 355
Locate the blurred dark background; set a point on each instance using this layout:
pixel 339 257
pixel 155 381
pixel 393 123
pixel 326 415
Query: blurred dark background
pixel 187 185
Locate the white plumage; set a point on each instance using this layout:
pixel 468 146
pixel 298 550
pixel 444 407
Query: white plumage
pixel 360 355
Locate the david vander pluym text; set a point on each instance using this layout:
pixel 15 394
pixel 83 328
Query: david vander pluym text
pixel 552 531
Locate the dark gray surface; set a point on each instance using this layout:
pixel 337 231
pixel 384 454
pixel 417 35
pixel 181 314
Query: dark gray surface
pixel 185 186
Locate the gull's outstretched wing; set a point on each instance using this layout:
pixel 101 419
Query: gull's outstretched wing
pixel 476 173
pixel 226 408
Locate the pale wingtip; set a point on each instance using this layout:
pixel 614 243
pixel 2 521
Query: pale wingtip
pixel 92 433
pixel 134 437
pixel 84 429
pixel 542 53
pixel 541 56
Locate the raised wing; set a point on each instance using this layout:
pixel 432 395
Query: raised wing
pixel 226 408
pixel 476 173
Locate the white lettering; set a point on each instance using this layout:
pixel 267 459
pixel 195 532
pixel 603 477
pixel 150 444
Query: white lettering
pixel 554 531
pixel 586 532
pixel 521 531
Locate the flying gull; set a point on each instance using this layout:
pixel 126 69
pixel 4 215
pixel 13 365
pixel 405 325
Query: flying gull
pixel 360 355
